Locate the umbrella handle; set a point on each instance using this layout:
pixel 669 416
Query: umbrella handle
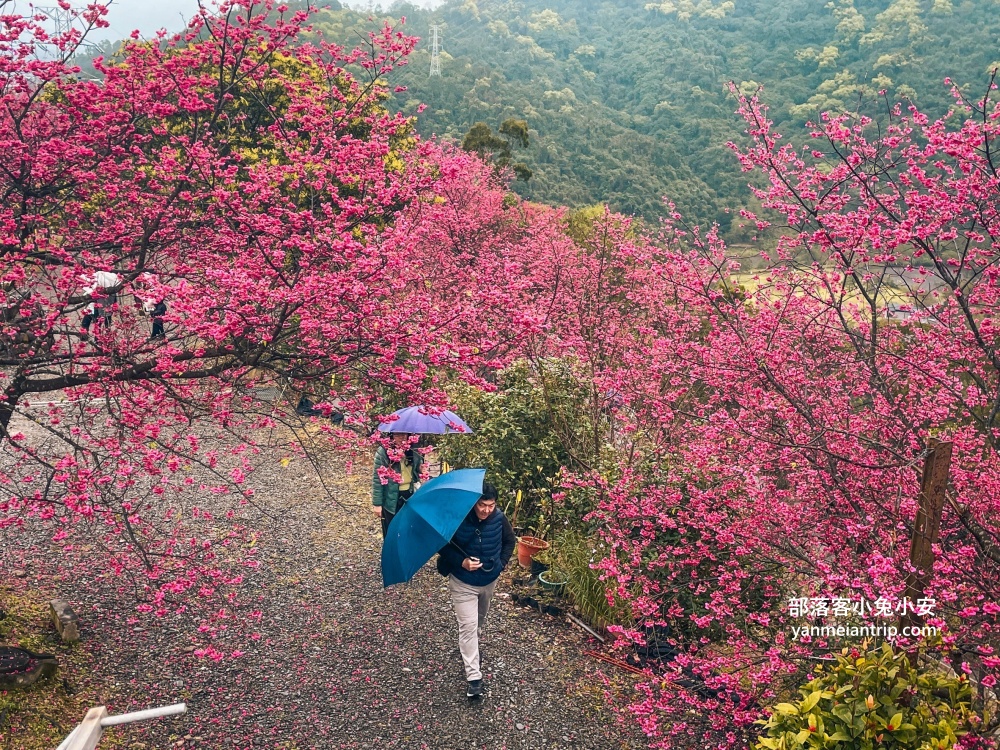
pixel 483 568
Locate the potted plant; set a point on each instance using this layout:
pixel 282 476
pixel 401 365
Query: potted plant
pixel 541 561
pixel 527 548
pixel 554 581
pixel 530 545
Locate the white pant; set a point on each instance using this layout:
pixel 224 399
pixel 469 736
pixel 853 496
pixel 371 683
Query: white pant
pixel 471 605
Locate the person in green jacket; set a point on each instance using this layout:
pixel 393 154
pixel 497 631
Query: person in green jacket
pixel 402 460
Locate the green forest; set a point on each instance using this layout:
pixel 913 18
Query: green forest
pixel 628 102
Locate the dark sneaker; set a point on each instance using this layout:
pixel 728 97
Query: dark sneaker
pixel 474 689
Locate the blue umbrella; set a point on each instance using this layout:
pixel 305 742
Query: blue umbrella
pixel 415 419
pixel 428 521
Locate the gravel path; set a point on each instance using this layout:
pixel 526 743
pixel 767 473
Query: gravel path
pixel 332 660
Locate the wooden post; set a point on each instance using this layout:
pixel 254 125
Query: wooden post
pixel 926 526
pixel 87 734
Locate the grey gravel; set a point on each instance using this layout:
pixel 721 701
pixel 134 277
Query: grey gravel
pixel 334 661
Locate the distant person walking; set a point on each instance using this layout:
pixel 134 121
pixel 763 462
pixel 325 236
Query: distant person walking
pixel 88 316
pixel 152 297
pixel 388 494
pixel 477 554
pixel 157 313
pixel 98 312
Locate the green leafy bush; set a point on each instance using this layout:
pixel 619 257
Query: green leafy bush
pixel 524 433
pixel 874 700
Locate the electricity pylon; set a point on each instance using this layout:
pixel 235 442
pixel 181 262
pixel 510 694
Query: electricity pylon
pixel 62 18
pixel 435 51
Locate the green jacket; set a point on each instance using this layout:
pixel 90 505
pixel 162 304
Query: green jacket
pixel 387 495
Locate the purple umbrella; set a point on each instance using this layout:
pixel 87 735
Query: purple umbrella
pixel 421 419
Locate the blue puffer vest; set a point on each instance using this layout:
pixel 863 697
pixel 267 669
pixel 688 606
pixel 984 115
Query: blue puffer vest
pixel 482 539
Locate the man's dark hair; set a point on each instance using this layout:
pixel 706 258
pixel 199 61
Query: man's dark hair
pixel 489 492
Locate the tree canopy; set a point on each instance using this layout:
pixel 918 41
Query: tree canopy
pixel 628 101
pixel 265 196
pixel 511 133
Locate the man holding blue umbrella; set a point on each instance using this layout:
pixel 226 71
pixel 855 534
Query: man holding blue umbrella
pixel 478 553
pixel 457 514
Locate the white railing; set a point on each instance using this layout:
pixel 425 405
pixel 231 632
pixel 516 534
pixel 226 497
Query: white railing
pixel 88 733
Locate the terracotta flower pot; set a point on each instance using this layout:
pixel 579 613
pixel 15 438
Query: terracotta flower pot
pixel 528 547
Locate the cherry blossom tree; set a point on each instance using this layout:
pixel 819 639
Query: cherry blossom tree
pixel 253 183
pixel 782 417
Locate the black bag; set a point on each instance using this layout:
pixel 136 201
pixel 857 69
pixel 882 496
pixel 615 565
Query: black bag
pixel 442 566
pixel 306 408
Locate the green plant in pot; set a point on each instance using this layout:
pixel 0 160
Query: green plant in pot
pixel 553 580
pixel 527 548
pixel 542 561
pixel 532 544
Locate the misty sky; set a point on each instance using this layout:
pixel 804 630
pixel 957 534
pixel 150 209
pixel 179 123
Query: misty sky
pixel 150 15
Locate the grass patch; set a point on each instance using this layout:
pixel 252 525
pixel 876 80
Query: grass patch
pixel 573 553
pixel 40 716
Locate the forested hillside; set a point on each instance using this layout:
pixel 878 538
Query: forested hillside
pixel 627 100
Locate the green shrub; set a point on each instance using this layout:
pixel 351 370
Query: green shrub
pixel 874 700
pixel 524 433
